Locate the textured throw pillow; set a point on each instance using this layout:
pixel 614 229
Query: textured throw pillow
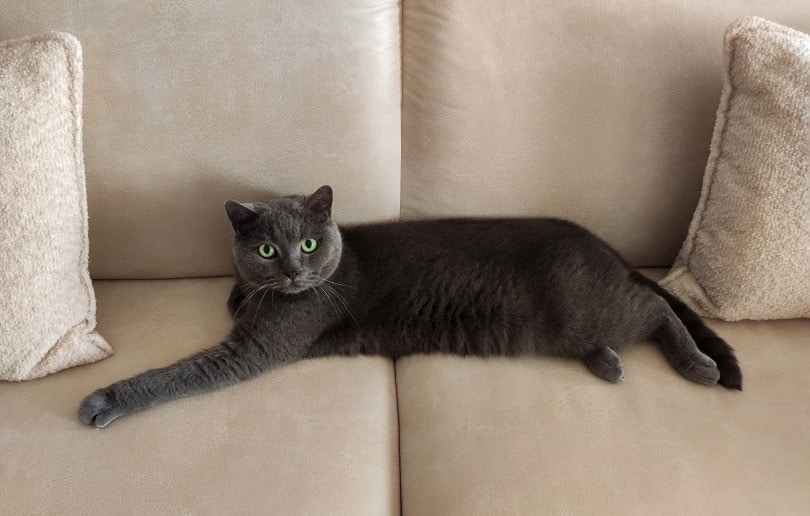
pixel 47 305
pixel 747 253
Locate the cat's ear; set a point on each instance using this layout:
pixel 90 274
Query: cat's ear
pixel 241 215
pixel 320 203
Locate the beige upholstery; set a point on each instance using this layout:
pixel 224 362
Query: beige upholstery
pixel 599 112
pixel 545 436
pixel 188 105
pixel 318 437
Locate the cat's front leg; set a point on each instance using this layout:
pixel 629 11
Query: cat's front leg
pixel 230 362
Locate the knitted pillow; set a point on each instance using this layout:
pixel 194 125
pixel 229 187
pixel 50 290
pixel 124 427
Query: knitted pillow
pixel 747 253
pixel 47 305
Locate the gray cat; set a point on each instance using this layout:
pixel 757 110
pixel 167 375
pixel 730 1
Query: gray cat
pixel 479 287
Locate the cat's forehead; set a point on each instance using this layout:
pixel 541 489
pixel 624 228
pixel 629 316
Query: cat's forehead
pixel 291 204
pixel 285 215
pixel 279 209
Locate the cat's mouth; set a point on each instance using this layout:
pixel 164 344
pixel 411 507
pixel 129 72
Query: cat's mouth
pixel 295 286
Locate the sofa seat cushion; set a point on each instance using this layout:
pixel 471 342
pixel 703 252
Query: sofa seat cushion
pixel 315 437
pixel 545 436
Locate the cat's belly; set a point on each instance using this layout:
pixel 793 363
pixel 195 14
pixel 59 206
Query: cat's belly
pixel 493 340
pixel 473 339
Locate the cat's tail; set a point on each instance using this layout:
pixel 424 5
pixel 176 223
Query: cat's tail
pixel 706 339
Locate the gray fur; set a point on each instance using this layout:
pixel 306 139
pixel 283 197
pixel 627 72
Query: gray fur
pixel 464 286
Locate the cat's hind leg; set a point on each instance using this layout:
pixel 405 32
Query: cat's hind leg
pixel 683 353
pixel 605 363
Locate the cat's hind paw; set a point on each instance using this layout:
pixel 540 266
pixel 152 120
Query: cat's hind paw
pixel 700 369
pixel 99 409
pixel 606 364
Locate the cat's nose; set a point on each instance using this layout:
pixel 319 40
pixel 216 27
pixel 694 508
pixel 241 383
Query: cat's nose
pixel 292 274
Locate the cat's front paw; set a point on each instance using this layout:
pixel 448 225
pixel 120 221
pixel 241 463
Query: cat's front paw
pixel 100 408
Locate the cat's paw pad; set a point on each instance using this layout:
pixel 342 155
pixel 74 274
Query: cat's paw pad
pixel 99 409
pixel 700 369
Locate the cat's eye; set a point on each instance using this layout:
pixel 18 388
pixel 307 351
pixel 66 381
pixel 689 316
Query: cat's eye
pixel 267 251
pixel 309 245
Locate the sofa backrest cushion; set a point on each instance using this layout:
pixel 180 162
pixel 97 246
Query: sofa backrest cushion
pixel 189 104
pixel 599 112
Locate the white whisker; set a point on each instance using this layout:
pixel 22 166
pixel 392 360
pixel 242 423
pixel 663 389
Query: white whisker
pixel 258 307
pixel 244 302
pixel 342 300
pixel 336 283
pixel 329 297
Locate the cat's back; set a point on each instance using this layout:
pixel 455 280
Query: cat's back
pixel 432 237
pixel 455 251
pixel 449 280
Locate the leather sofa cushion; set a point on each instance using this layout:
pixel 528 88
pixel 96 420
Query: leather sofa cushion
pixel 598 112
pixel 545 436
pixel 317 437
pixel 188 105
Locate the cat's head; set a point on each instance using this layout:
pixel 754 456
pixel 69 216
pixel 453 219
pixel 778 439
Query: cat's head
pixel 290 244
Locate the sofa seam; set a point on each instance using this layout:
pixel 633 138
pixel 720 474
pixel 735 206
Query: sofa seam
pixel 399 434
pixel 401 4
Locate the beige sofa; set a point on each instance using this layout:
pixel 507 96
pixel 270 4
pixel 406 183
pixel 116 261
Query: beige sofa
pixel 600 112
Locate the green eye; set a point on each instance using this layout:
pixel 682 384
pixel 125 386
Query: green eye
pixel 267 251
pixel 309 245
